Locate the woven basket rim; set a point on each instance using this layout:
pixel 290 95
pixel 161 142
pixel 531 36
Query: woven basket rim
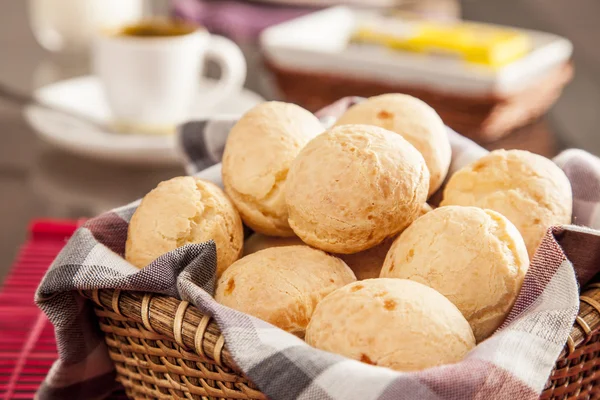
pixel 182 323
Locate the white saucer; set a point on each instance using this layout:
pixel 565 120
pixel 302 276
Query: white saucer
pixel 83 96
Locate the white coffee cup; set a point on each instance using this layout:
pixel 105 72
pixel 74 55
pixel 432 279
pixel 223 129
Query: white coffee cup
pixel 151 82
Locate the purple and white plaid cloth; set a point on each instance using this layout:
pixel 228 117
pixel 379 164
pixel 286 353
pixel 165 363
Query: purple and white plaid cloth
pixel 512 364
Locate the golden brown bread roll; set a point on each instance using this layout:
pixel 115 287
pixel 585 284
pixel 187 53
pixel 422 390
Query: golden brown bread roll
pixel 353 186
pixel 416 121
pixel 394 323
pixel 367 264
pixel 528 189
pixel 181 211
pixel 259 150
pixel 282 285
pixel 474 257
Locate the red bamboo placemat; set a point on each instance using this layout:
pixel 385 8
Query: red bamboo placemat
pixel 27 344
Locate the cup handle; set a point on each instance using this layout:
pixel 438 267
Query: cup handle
pixel 231 60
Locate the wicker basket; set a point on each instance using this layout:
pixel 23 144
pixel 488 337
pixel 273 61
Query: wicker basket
pixel 164 348
pixel 481 118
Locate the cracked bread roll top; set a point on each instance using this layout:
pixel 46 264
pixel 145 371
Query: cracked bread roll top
pixel 258 153
pixel 367 264
pixel 474 257
pixel 181 211
pixel 394 323
pixel 528 189
pixel 282 285
pixel 354 186
pixel 415 121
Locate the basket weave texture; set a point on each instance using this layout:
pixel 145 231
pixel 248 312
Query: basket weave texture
pixel 164 348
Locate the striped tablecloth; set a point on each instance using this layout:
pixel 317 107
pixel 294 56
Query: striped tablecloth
pixel 27 345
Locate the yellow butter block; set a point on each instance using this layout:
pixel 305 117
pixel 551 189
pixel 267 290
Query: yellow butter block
pixel 476 43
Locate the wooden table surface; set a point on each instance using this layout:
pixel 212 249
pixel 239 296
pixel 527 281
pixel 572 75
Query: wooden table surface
pixel 37 180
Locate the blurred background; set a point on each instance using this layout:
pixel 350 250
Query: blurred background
pixel 49 168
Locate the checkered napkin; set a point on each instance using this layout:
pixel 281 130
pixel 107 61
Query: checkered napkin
pixel 512 364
